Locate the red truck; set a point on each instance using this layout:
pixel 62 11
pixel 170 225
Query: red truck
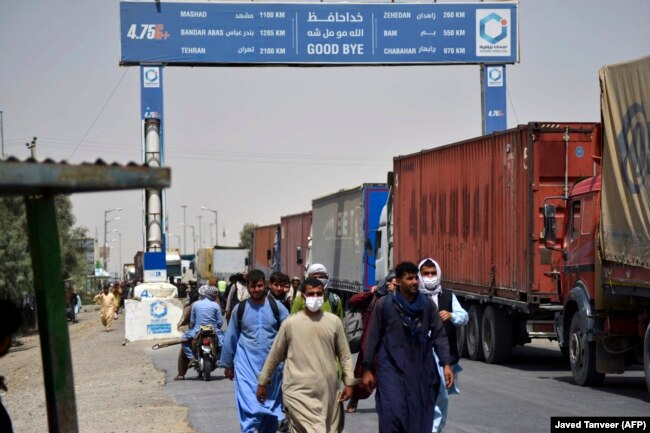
pixel 518 222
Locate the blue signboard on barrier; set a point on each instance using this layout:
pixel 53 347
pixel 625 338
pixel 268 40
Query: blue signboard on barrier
pixel 318 33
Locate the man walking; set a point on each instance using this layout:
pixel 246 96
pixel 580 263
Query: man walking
pixel 255 323
pixel 276 288
pixel 402 329
pixel 107 312
pixel 331 304
pixel 309 343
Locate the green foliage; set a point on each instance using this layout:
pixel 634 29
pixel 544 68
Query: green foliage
pixel 15 261
pixel 246 235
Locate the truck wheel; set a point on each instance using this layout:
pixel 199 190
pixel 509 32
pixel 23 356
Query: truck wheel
pixel 497 336
pixel 646 357
pixel 473 332
pixel 461 341
pixel 582 356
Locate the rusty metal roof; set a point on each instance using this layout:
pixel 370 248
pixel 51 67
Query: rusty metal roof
pixel 49 177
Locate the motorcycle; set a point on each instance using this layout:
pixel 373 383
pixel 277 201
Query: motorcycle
pixel 207 350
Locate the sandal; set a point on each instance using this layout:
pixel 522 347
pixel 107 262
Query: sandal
pixel 179 378
pixel 352 408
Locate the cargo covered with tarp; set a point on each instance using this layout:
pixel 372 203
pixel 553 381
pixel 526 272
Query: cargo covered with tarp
pixel 625 219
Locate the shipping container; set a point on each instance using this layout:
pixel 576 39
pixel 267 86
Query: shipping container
pixel 344 227
pixel 203 264
pixel 266 249
pixel 294 239
pixel 476 207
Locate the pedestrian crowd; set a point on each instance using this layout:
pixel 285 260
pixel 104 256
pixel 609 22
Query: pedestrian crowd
pixel 287 347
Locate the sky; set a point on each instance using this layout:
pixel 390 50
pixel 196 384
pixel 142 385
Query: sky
pixel 260 143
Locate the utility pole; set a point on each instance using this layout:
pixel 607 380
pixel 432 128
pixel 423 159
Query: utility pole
pixel 2 135
pixel 184 206
pixel 216 226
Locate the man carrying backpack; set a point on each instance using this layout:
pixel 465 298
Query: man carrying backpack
pixel 253 326
pixel 332 303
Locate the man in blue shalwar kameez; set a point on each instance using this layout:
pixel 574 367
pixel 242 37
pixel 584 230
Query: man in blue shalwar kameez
pixel 398 358
pixel 247 344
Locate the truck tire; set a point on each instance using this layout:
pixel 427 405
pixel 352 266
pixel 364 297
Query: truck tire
pixel 473 332
pixel 646 357
pixel 497 336
pixel 582 356
pixel 461 341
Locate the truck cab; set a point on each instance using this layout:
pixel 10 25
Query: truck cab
pixel 604 319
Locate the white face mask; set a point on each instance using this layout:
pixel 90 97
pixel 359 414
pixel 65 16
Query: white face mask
pixel 314 303
pixel 430 282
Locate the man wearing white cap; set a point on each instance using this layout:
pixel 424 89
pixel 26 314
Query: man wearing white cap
pixel 331 304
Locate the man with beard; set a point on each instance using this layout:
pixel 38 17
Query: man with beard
pixel 309 343
pixel 277 282
pixel 254 325
pixel 402 329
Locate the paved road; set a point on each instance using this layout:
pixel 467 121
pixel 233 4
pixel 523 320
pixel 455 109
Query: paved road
pixel 514 398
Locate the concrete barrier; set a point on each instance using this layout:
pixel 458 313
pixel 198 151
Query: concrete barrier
pixel 152 318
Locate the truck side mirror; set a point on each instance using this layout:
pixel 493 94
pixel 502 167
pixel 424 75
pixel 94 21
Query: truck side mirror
pixel 268 255
pixel 299 255
pixel 550 235
pixel 246 262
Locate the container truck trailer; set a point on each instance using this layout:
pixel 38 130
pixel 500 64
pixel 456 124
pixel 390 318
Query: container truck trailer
pixel 294 243
pixel 265 249
pixel 476 207
pixel 343 235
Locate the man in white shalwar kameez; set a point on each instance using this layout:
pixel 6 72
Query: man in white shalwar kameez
pixel 309 343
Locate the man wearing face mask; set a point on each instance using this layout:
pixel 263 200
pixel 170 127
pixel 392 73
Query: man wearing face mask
pixel 309 343
pixel 254 325
pixel 452 315
pixel 331 304
pixel 398 359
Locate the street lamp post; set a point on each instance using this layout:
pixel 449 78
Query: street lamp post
pixel 193 235
pixel 200 232
pixel 216 227
pixel 184 206
pixel 106 221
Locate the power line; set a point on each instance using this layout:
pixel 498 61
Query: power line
pixel 100 112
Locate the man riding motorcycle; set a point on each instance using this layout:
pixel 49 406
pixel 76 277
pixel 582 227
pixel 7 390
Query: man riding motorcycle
pixel 205 311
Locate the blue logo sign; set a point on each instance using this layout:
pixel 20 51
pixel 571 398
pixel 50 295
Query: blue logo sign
pixel 634 147
pixel 158 310
pixel 580 151
pixel 494 28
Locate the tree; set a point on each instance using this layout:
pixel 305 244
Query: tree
pixel 15 262
pixel 246 235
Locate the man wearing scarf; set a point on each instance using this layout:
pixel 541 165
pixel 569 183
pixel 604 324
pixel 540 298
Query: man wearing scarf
pixel 402 329
pixel 452 315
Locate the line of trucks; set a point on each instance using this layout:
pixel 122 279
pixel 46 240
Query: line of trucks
pixel 541 231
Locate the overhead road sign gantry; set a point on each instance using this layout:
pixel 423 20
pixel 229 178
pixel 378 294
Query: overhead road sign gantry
pixel 318 34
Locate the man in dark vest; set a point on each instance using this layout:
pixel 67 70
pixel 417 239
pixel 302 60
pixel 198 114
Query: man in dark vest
pixel 452 315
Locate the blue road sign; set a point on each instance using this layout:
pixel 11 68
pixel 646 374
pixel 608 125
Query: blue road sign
pixel 318 33
pixel 494 99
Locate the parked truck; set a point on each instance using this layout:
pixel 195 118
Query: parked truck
pixel 530 237
pixel 227 261
pixel 265 251
pixel 294 243
pixel 343 235
pixel 476 207
pixel 602 230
